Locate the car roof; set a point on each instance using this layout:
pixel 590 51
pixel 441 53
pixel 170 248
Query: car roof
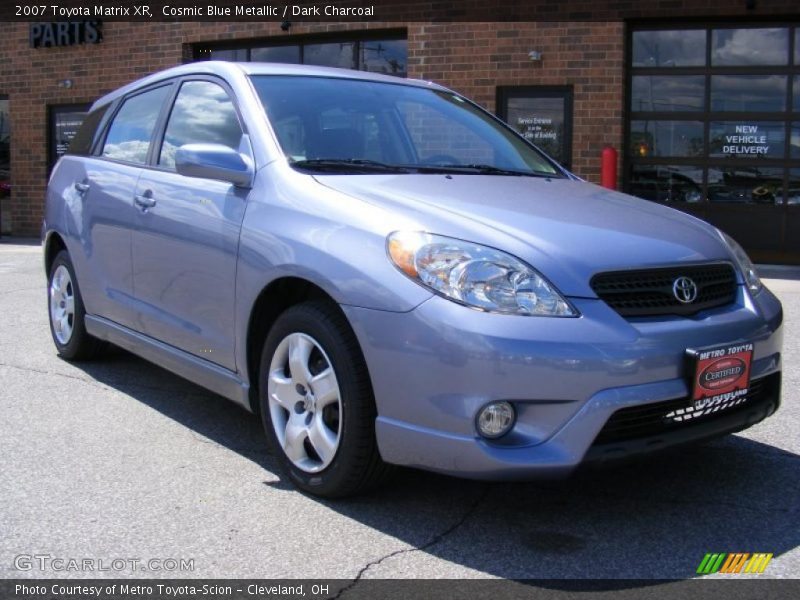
pixel 226 69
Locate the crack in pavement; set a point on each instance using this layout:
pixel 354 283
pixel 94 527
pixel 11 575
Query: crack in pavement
pixel 432 542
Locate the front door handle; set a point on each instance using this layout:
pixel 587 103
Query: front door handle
pixel 81 187
pixel 145 201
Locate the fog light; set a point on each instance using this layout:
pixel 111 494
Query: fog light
pixel 496 419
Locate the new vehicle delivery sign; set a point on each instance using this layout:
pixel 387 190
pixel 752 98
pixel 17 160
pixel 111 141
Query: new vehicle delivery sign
pixel 722 372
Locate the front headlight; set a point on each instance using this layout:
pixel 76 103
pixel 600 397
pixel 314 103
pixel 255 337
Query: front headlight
pixel 475 275
pixel 747 267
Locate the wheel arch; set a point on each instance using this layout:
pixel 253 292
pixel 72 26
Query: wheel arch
pixel 53 244
pixel 273 300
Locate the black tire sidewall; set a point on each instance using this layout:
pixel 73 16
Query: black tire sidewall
pixel 357 402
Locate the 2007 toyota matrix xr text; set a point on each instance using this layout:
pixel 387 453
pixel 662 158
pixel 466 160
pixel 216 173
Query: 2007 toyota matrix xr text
pixel 389 275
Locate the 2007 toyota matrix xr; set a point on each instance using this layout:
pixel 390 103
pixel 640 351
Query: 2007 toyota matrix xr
pixel 388 274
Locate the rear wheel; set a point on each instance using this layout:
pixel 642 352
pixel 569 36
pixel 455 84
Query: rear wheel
pixel 317 404
pixel 65 308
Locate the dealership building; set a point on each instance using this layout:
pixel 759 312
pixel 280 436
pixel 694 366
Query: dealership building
pixel 701 100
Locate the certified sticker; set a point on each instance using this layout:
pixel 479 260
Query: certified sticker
pixel 722 372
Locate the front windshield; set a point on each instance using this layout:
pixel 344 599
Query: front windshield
pixel 342 125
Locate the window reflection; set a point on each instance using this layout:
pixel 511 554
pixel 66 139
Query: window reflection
pixel 321 118
pixel 764 46
pixel 748 93
pixel 436 134
pixel 384 56
pixel 794 140
pixel 276 54
pixel 338 54
pixel 682 48
pixel 797 46
pixel 667 183
pixel 203 113
pixel 235 54
pixel 796 92
pixel 129 136
pixel 388 56
pixel 668 93
pixel 666 138
pixel 745 185
pixel 793 194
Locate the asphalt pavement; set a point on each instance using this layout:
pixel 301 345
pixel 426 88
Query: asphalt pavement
pixel 119 460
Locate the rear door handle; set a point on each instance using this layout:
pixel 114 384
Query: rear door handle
pixel 81 187
pixel 145 201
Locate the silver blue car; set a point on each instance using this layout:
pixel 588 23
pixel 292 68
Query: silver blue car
pixel 389 275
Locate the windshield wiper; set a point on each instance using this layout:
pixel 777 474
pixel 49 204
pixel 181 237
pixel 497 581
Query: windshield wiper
pixel 364 165
pixel 348 164
pixel 479 169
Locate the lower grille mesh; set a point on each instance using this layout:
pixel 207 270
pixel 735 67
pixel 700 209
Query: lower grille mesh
pixel 662 417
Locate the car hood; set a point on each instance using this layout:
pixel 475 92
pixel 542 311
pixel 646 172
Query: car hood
pixel 568 230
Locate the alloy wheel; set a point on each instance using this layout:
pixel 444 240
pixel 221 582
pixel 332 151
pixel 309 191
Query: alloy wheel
pixel 62 305
pixel 305 402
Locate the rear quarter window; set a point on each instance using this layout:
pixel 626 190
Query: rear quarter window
pixel 131 131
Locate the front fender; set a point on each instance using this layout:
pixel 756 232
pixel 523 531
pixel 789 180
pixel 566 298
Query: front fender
pixel 295 227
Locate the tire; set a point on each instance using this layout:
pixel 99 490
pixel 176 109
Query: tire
pixel 317 405
pixel 66 312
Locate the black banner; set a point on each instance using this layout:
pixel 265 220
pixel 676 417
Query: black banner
pixel 382 10
pixel 387 589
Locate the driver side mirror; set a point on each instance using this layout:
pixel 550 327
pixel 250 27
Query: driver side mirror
pixel 214 161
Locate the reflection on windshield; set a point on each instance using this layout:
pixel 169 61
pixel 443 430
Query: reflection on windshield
pixel 368 125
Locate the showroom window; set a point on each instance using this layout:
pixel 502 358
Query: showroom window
pixel 713 127
pixel 376 52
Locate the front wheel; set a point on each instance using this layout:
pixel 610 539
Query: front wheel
pixel 316 402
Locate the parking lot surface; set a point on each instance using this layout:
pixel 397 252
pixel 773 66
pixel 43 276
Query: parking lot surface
pixel 118 459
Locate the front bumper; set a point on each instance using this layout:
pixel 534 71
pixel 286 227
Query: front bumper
pixel 434 367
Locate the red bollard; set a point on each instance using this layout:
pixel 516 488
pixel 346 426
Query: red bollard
pixel 608 168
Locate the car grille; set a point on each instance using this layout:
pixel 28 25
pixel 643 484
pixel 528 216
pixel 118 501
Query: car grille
pixel 658 418
pixel 644 293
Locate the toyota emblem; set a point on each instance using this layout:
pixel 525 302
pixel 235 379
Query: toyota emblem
pixel 684 290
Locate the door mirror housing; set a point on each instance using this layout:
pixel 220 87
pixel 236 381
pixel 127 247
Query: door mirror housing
pixel 214 161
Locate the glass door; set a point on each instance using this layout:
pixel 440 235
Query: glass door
pixel 542 115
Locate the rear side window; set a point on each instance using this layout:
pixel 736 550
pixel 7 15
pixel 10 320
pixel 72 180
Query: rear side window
pixel 203 114
pixel 131 130
pixel 81 144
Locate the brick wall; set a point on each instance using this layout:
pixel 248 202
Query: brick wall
pixel 472 58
